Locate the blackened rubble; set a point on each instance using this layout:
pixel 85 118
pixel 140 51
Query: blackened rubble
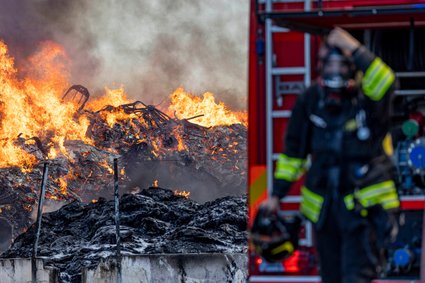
pixel 176 152
pixel 150 145
pixel 153 221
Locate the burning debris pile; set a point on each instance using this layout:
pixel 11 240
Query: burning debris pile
pixel 153 221
pixel 194 145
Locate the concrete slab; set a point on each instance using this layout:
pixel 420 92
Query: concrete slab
pixel 191 268
pixel 18 270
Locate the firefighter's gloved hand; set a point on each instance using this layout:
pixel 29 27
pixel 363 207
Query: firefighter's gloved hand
pixel 343 40
pixel 272 204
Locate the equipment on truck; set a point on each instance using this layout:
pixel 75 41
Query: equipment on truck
pixel 274 236
pixel 284 44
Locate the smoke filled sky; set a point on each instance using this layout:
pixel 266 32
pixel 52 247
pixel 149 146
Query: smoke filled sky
pixel 150 47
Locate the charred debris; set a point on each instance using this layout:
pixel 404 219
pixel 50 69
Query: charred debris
pixel 153 221
pixel 151 147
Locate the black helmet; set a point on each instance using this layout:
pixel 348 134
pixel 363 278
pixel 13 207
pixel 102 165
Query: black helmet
pixel 274 237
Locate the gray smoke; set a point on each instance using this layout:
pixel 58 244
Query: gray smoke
pixel 150 47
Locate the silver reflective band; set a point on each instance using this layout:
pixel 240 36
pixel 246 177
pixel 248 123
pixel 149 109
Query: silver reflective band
pixel 317 121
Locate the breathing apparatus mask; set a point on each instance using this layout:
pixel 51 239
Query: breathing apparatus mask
pixel 337 73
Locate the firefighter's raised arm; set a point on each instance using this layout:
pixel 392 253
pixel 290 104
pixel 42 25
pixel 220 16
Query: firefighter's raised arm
pixel 378 77
pixel 343 40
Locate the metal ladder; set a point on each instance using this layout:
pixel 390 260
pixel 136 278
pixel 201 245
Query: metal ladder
pixel 282 87
pixel 407 92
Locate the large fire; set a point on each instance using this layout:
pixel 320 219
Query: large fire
pixel 32 110
pixel 45 119
pixel 185 106
pixel 32 107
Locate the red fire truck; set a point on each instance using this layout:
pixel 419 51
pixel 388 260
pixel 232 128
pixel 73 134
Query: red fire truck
pixel 284 39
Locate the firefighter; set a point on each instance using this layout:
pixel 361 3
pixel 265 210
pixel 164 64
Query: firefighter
pixel 338 133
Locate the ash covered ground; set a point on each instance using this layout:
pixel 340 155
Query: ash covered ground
pixel 154 220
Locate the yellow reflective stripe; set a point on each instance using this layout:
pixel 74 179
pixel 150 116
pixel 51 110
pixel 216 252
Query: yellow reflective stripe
pixel 309 213
pixel 349 202
pixel 311 204
pixel 313 207
pixel 285 247
pixel 376 194
pixel 313 197
pixel 380 85
pixel 372 71
pixel 383 193
pixel 377 80
pixel 373 83
pixel 293 170
pixel 388 197
pixel 391 204
pixel 289 168
pixel 287 163
pixel 377 69
pixel 295 162
pixel 288 174
pixel 369 202
pixel 376 189
pixel 389 201
pixel 285 174
pixel 383 86
pixel 376 92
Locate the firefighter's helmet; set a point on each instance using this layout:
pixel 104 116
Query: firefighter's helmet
pixel 273 236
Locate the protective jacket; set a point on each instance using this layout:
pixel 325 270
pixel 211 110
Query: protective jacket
pixel 347 150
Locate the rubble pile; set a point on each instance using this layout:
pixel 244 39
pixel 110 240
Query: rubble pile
pixel 153 221
pixel 176 152
pixel 79 137
pixel 150 146
pixel 83 178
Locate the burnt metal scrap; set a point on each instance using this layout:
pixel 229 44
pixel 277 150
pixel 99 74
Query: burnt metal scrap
pixel 79 94
pixel 153 221
pixel 168 149
pixel 153 116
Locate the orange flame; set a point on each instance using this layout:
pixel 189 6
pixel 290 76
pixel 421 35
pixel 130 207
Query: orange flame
pixel 108 167
pixel 181 145
pixel 155 184
pixel 32 106
pixel 185 105
pixel 115 98
pixel 63 186
pixel 184 194
pixel 52 197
